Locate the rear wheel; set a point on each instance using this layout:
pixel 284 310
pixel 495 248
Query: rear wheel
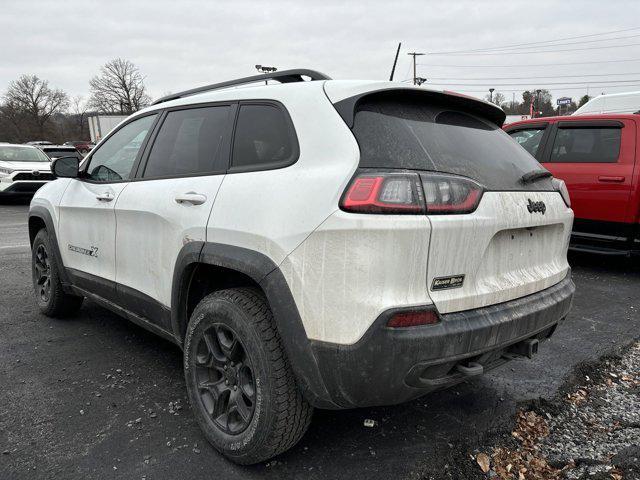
pixel 51 298
pixel 239 381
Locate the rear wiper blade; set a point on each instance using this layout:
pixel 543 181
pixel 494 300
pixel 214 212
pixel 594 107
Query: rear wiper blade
pixel 534 175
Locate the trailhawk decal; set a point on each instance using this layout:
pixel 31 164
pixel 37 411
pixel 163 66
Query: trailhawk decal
pixel 443 283
pixel 91 251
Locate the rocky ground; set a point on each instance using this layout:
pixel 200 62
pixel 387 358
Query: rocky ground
pixel 591 430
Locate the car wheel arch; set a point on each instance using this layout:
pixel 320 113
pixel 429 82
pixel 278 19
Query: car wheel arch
pixel 248 268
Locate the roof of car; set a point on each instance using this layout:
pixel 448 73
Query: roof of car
pixel 20 145
pixel 335 90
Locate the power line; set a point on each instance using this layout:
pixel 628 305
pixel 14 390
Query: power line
pixel 497 84
pixel 561 88
pixel 532 64
pixel 530 77
pixel 581 42
pixel 542 41
pixel 538 51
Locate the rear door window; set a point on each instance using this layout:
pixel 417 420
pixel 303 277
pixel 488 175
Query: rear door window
pixel 401 133
pixel 529 139
pixel 264 138
pixel 190 142
pixel 586 145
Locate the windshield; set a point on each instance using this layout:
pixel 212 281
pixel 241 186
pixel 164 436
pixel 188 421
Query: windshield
pixel 397 132
pixel 59 152
pixel 22 154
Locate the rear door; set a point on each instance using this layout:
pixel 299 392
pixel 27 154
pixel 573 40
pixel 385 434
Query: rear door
pixel 87 223
pixel 168 204
pixel 515 242
pixel 595 158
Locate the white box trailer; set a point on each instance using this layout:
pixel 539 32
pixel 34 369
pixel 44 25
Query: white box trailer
pixel 100 125
pixel 628 102
pixel 515 118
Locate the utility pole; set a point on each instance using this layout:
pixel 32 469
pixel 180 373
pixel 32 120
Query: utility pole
pixel 395 61
pixel 414 55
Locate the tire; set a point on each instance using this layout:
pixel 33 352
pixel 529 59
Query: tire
pixel 51 298
pixel 265 414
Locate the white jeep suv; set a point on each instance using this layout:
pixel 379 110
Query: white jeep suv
pixel 313 243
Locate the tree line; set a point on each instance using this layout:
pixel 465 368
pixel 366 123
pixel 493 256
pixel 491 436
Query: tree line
pixel 539 99
pixel 32 109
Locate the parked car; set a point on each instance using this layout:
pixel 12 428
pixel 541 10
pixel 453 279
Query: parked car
pixel 39 142
pixel 56 151
pixel 597 157
pixel 618 103
pixel 23 169
pixel 329 244
pixel 83 146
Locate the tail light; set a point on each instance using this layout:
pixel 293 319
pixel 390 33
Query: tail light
pixel 411 193
pixel 450 193
pixel 399 193
pixel 414 318
pixel 561 187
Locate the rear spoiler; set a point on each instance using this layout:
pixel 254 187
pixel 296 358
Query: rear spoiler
pixel 347 107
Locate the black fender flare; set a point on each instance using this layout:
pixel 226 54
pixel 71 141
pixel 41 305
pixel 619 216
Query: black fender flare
pixel 43 214
pixel 262 270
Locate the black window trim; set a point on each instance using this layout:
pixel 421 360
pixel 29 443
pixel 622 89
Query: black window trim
pixel 227 148
pixel 139 155
pixel 295 154
pixel 528 126
pixel 590 124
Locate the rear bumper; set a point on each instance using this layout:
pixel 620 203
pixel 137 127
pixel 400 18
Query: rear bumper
pixel 388 366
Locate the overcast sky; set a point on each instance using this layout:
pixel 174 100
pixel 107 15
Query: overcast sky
pixel 179 45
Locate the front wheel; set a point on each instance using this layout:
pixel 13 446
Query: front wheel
pixel 52 300
pixel 239 381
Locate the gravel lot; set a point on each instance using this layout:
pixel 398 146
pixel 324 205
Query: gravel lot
pixel 97 397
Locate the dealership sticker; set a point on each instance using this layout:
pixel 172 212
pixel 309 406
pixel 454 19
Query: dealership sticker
pixel 443 283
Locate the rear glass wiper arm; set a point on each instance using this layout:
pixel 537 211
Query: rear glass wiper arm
pixel 534 175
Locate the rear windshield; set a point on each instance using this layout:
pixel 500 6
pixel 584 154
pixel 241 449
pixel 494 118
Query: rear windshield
pixel 398 133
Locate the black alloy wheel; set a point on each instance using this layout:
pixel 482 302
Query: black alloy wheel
pixel 224 379
pixel 43 273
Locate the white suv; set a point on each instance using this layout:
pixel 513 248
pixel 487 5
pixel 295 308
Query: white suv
pixel 23 169
pixel 318 243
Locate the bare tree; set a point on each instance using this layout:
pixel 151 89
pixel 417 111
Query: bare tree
pixel 497 98
pixel 79 109
pixel 118 88
pixel 31 99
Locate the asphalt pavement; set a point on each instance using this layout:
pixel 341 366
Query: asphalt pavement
pixel 97 397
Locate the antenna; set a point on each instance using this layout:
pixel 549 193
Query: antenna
pixel 395 61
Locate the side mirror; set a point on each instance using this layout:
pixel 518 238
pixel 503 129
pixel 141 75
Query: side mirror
pixel 65 167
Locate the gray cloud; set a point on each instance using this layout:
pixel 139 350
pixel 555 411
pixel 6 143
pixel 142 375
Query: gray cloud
pixel 179 45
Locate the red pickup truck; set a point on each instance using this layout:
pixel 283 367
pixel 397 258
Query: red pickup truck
pixel 598 157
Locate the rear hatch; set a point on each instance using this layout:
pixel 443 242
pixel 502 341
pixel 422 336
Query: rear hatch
pixel 515 240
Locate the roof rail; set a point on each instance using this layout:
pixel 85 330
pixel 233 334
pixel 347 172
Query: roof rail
pixel 285 76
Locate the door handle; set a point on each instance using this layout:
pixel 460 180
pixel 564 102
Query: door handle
pixel 105 197
pixel 608 179
pixel 191 197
